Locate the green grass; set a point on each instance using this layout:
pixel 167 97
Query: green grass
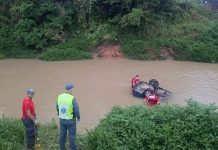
pixel 2 56
pixel 164 127
pixel 12 134
pixel 194 126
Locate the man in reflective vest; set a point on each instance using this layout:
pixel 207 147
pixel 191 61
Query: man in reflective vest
pixel 151 99
pixel 68 112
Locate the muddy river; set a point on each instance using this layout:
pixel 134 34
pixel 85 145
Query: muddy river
pixel 100 84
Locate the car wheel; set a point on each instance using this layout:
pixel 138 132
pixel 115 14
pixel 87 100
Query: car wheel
pixel 154 83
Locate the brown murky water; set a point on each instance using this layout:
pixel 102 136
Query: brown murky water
pixel 100 84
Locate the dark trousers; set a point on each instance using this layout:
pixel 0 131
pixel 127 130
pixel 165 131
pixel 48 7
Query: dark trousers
pixel 30 132
pixel 71 128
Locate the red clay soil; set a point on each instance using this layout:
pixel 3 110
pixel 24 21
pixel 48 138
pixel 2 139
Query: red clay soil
pixel 108 51
pixel 113 51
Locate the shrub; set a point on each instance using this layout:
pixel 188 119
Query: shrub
pixel 133 46
pixel 55 54
pixel 10 48
pixel 20 52
pixel 73 49
pixel 161 127
pixel 133 19
pixel 48 136
pixel 2 56
pixel 6 39
pixel 27 34
pixel 99 33
pixel 135 50
pixel 187 49
pixel 190 41
pixel 12 134
pixel 28 28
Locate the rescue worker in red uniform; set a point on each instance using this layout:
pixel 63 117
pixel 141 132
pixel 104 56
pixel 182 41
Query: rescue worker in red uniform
pixel 135 80
pixel 29 119
pixel 151 99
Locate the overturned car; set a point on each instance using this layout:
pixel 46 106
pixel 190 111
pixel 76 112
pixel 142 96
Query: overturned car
pixel 142 88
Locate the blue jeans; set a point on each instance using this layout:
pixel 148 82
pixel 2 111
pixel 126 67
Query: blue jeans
pixel 31 132
pixel 69 126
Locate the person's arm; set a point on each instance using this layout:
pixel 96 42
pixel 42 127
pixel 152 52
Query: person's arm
pixel 28 113
pixel 147 98
pixel 76 109
pixel 137 81
pixel 157 100
pixel 57 108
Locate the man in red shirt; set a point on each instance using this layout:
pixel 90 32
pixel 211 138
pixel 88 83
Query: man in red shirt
pixel 29 118
pixel 151 99
pixel 135 80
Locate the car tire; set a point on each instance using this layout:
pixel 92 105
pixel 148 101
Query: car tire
pixel 154 83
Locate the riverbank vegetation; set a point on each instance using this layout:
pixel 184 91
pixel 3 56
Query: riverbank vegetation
pixel 163 127
pixel 12 133
pixel 70 30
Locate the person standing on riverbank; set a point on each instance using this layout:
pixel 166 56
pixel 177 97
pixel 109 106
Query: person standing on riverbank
pixel 29 119
pixel 68 112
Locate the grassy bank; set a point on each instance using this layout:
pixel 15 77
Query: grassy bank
pixel 73 49
pixel 70 30
pixel 192 41
pixel 168 127
pixel 189 41
pixel 194 126
pixel 12 133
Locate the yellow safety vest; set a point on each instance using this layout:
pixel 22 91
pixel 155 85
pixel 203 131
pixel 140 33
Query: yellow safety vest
pixel 65 106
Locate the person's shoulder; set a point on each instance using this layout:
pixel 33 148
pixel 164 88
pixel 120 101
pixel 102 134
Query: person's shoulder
pixel 61 94
pixel 26 101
